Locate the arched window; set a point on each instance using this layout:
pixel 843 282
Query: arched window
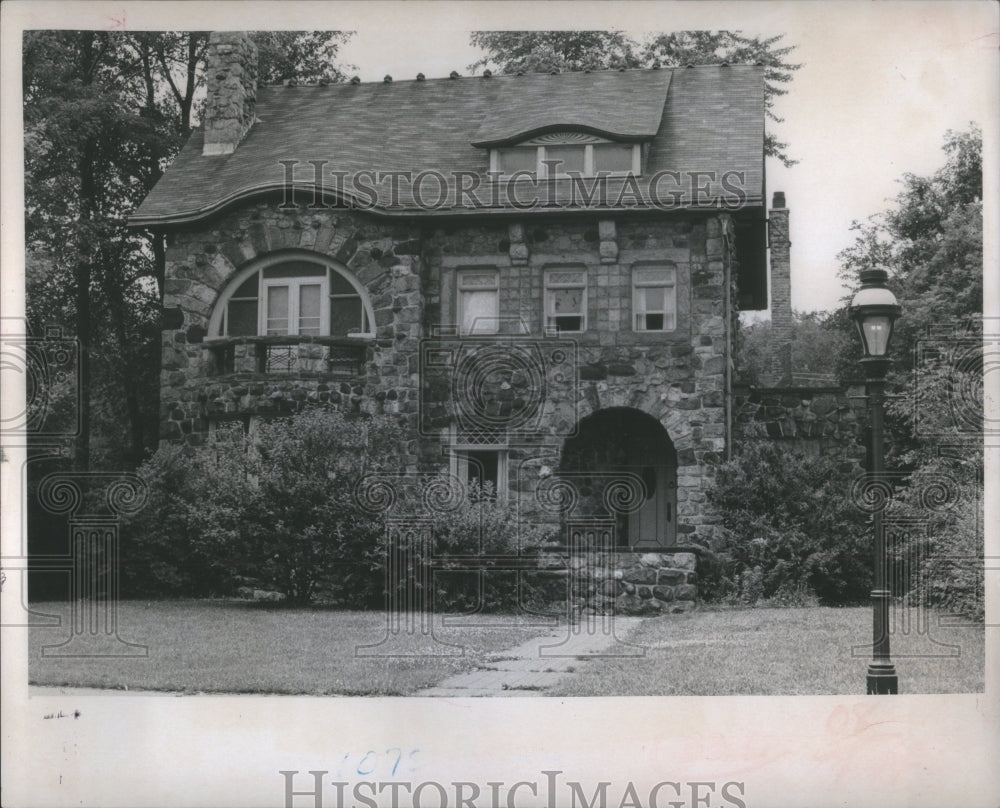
pixel 293 295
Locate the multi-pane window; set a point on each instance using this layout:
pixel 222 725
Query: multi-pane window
pixel 294 306
pixel 295 298
pixel 654 298
pixel 518 158
pixel 478 301
pixel 545 159
pixel 240 316
pixel 616 158
pixel 566 300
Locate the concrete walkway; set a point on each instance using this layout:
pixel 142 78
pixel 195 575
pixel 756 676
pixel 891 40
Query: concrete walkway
pixel 537 665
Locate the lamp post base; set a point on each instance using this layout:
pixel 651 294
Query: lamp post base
pixel 882 680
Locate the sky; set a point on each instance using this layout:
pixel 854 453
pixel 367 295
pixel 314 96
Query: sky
pixel 880 85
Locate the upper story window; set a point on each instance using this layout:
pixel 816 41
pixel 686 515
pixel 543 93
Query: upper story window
pixel 478 301
pixel 567 154
pixel 566 300
pixel 293 297
pixel 654 298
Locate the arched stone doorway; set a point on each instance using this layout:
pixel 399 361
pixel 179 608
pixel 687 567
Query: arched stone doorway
pixel 625 440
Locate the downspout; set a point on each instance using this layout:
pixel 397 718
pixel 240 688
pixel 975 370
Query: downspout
pixel 727 296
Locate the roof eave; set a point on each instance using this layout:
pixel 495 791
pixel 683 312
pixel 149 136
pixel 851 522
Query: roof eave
pixel 194 216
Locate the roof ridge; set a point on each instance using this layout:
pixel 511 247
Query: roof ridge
pixel 520 75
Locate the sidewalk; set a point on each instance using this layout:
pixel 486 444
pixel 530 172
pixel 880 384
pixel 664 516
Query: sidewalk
pixel 537 665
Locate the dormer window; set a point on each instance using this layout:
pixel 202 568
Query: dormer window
pixel 567 154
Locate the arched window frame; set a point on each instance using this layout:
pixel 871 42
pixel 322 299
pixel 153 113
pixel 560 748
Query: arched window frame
pixel 218 317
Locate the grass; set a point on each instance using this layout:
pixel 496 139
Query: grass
pixel 235 647
pixel 805 651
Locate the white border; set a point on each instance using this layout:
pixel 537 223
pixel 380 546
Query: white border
pixel 226 751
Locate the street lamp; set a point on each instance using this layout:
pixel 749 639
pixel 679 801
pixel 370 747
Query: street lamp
pixel 875 310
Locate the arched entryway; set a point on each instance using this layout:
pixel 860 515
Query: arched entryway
pixel 617 440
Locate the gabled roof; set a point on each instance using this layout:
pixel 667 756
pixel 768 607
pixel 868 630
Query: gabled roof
pixel 710 119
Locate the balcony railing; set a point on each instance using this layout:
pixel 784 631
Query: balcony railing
pixel 327 356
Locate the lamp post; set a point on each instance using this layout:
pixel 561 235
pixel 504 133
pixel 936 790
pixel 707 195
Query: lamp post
pixel 875 310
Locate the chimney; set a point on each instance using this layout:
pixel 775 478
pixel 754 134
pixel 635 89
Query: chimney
pixel 231 69
pixel 781 287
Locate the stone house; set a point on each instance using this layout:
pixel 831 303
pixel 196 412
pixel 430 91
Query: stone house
pixel 540 274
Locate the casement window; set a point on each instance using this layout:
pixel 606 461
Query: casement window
pixel 478 301
pixel 294 306
pixel 482 469
pixel 294 298
pixel 565 300
pixel 654 298
pixel 567 154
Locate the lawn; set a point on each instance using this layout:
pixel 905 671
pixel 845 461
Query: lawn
pixel 227 646
pixel 236 647
pixel 775 652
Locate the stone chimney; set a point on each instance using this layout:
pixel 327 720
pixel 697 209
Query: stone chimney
pixel 781 287
pixel 231 70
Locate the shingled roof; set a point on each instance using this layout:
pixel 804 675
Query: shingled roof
pixel 625 105
pixel 697 119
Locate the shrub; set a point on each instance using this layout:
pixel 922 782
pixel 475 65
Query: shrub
pixel 164 547
pixel 472 532
pixel 789 529
pixel 276 511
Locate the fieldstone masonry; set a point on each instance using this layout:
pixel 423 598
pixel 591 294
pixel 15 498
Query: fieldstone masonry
pixel 815 420
pixel 231 71
pixel 409 272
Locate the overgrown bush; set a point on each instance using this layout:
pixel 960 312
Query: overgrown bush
pixel 470 535
pixel 790 530
pixel 276 510
pixel 168 548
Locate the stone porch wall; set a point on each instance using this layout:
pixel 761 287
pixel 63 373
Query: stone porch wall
pixel 647 583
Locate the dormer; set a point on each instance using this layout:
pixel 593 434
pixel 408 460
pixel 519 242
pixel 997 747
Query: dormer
pixel 566 153
pixel 589 123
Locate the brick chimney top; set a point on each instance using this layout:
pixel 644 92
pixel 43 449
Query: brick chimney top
pixel 778 200
pixel 231 70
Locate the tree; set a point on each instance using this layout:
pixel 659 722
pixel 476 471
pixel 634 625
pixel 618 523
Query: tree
pixel 541 51
pixel 931 243
pixel 306 56
pixel 85 143
pixel 104 113
pixel 815 338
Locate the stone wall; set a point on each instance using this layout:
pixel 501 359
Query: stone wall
pixel 616 583
pixel 815 420
pixel 231 76
pixel 680 378
pixel 677 377
pixel 384 257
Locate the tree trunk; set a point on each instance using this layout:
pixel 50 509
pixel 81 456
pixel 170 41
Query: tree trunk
pixel 84 264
